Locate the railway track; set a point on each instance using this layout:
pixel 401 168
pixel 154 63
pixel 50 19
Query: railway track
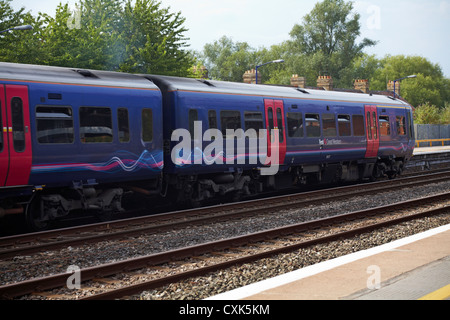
pixel 241 243
pixel 81 235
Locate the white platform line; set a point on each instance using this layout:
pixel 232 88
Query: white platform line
pixel 255 288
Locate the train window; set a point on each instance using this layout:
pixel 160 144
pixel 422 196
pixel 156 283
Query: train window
pixel 95 125
pixel 411 125
pixel 147 125
pixel 54 124
pixel 329 125
pixel 123 125
pixel 385 127
pixel 401 125
pixel 17 124
pixel 358 126
pixel 270 119
pixel 271 124
pixel 312 122
pixel 193 116
pixel 369 126
pixel 375 127
pixel 230 120
pixel 345 129
pixel 280 124
pixel 295 124
pixel 212 119
pixel 253 120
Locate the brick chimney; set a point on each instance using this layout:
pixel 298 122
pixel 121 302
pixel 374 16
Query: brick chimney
pixel 325 82
pixel 299 82
pixel 250 76
pixel 362 84
pixel 390 87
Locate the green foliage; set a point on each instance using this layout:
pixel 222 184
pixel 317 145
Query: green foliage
pixel 154 40
pixel 445 114
pixel 227 60
pixel 141 36
pixel 19 46
pixel 324 43
pixel 430 86
pixel 330 28
pixel 430 114
pixel 427 114
pixel 328 38
pixel 119 35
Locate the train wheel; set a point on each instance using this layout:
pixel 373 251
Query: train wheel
pixel 33 215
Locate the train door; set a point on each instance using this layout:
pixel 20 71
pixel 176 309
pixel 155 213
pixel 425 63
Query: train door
pixel 15 138
pixel 372 132
pixel 274 111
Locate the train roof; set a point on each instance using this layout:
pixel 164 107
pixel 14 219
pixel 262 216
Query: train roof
pixel 75 76
pixel 223 87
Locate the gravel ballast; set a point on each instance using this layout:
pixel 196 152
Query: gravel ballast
pixel 54 262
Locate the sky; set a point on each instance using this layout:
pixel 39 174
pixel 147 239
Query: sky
pixel 408 27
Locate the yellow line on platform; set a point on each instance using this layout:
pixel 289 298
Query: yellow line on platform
pixel 441 294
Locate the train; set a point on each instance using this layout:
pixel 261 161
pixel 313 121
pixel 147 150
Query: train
pixel 77 140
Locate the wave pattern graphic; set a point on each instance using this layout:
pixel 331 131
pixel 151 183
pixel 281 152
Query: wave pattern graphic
pixel 123 161
pixel 199 157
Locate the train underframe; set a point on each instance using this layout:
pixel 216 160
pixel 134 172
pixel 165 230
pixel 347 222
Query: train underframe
pixel 195 190
pixel 42 207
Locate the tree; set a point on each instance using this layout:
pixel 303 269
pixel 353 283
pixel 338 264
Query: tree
pixel 88 45
pixel 329 34
pixel 363 67
pixel 429 86
pixel 133 36
pixel 325 42
pixel 154 39
pixel 227 60
pixel 445 114
pixel 427 114
pixel 19 46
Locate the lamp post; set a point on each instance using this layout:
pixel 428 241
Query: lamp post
pixel 24 27
pixel 408 77
pixel 274 61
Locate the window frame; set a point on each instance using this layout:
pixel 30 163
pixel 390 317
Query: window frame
pixel 361 125
pixel 248 121
pixel 385 124
pixel 313 118
pixel 18 126
pixel 329 131
pixel 299 121
pixel 192 117
pixel 143 127
pixel 346 120
pixel 401 124
pixel 83 138
pixel 223 125
pixel 70 117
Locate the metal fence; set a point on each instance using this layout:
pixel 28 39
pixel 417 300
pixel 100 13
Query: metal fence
pixel 430 135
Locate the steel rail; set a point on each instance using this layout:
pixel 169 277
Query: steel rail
pixel 153 284
pixel 241 209
pixel 59 280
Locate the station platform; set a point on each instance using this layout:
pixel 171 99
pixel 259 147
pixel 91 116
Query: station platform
pixel 416 267
pixel 427 150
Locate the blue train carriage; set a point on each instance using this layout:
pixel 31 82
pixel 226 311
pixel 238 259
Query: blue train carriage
pixel 338 136
pixel 322 137
pixel 212 136
pixel 72 139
